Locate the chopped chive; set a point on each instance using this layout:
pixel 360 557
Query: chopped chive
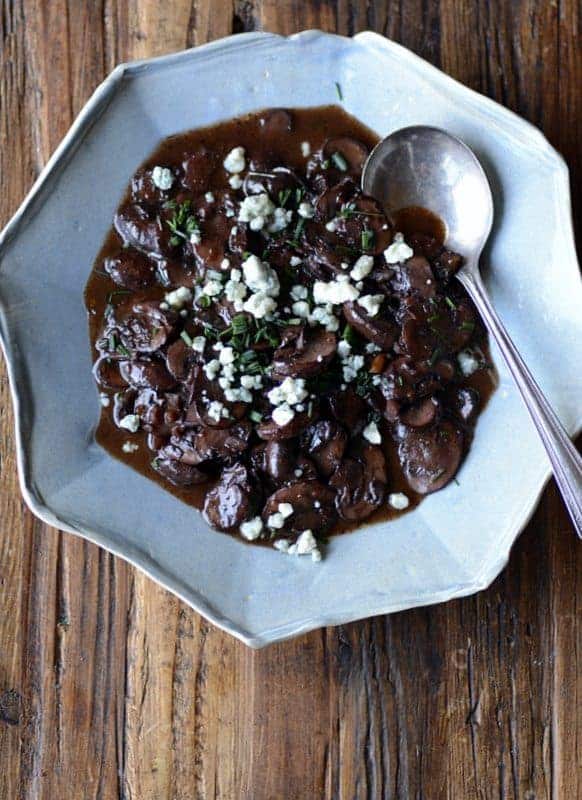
pixel 467 326
pixel 255 416
pixel 112 341
pixel 203 301
pixel 450 303
pixel 367 239
pixel 111 295
pixel 349 335
pixel 298 195
pixel 186 338
pixel 325 164
pixel 436 354
pixel 339 161
pixel 432 318
pixel 338 89
pixel 122 350
pixel 400 380
pixel 284 196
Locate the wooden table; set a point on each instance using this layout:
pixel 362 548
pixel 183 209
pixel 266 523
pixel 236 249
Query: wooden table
pixel 112 688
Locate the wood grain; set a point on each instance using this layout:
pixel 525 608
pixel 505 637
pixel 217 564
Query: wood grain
pixel 112 688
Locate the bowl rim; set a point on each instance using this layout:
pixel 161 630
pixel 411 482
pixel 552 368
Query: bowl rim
pixel 95 106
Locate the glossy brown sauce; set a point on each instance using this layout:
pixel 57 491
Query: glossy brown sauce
pixel 314 125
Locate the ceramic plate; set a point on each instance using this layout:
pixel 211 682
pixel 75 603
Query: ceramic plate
pixel 459 539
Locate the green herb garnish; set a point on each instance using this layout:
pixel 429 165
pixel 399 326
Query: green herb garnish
pixel 363 383
pixel 436 354
pixel 112 342
pixel 338 89
pixel 255 416
pixel 349 335
pixel 467 326
pixel 204 301
pixel 186 338
pixel 339 161
pixel 122 350
pixel 367 239
pixel 183 223
pixel 450 303
pixel 284 196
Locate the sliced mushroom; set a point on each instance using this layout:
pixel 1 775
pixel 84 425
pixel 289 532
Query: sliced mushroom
pixel 280 183
pixel 198 169
pixel 353 152
pixel 269 429
pixel 180 358
pixel 147 373
pixel 312 503
pixel 232 500
pixel 179 473
pixel 147 327
pixel 131 269
pixel 349 409
pixel 208 444
pixel 421 414
pixel 464 402
pixel 447 264
pixel 276 122
pixel 381 329
pixel 106 373
pixel 310 353
pixel 431 456
pixel 435 327
pixel 143 229
pixel 360 483
pixel 220 235
pixel 325 442
pixel 414 275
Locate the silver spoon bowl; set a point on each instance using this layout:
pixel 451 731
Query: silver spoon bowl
pixel 427 167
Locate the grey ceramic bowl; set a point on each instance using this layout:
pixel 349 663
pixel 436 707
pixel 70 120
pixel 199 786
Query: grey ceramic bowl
pixel 459 539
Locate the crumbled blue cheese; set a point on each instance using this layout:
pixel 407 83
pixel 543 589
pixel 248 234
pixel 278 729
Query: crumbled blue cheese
pixel 260 277
pixel 398 251
pixel 372 434
pixel 362 267
pixel 282 415
pixel 351 365
pixel 211 369
pixel 256 209
pixel 336 292
pixel 129 447
pixel 260 305
pixel 331 226
pixel 285 509
pixel 467 362
pixel 291 391
pixel 305 149
pixel 212 288
pixel 130 422
pixel 235 292
pixel 294 261
pixel 239 395
pixel 235 161
pixel 398 500
pixel 282 545
pixel 306 544
pixel 279 220
pixel 371 302
pixel 372 348
pixel 217 411
pixel 324 316
pixel 251 381
pixel 276 521
pixel 306 210
pixel 104 399
pixel 252 528
pixel 209 197
pixel 226 355
pixel 162 178
pixel 343 348
pixel 235 181
pixel 299 292
pixel 198 344
pixel 225 263
pixel 195 238
pixel 178 297
pixel 301 309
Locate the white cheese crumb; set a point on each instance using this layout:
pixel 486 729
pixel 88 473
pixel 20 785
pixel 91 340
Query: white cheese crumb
pixel 351 366
pixel 306 544
pixel 372 348
pixel 291 391
pixel 282 415
pixel 301 309
pixel 198 344
pixel 179 297
pixel 260 305
pixel 294 261
pixel 282 545
pixel 276 521
pixel 209 197
pixel 130 422
pixel 335 292
pixel 162 178
pixel 252 529
pixel 129 447
pixel 279 220
pixel 212 288
pixel 331 226
pixel 225 263
pixel 235 181
pixel 226 355
pixel 398 500
pixel 467 362
pixel 217 410
pixel 104 399
pixel 256 210
pixel 259 276
pixel 306 210
pixel 211 369
pixel 285 509
pixel 372 434
pixel 343 348
pixel 362 267
pixel 299 292
pixel 371 302
pixel 398 251
pixel 305 149
pixel 298 473
pixel 195 237
pixel 235 160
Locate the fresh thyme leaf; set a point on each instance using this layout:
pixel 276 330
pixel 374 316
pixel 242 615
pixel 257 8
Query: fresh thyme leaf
pixel 348 210
pixel 338 89
pixel 204 301
pixel 325 164
pixel 436 354
pixel 112 342
pixel 467 326
pixel 210 332
pixel 111 295
pixel 349 335
pixel 367 239
pixel 400 380
pixel 122 350
pixel 298 194
pixel 186 338
pixel 339 161
pixel 284 196
pixel 255 416
pixel 450 303
pixel 432 318
pixel 183 223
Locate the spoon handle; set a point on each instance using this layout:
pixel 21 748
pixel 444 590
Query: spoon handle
pixel 566 461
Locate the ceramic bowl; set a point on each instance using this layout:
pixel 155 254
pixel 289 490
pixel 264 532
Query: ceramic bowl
pixel 459 539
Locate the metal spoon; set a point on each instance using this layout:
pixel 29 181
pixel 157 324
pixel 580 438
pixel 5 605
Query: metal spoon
pixel 427 167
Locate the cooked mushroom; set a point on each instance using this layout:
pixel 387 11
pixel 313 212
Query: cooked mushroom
pixel 360 483
pixel 381 329
pixel 308 354
pixel 312 504
pixel 179 473
pixel 430 457
pixel 325 443
pixel 143 229
pixel 147 373
pixel 131 269
pixel 232 500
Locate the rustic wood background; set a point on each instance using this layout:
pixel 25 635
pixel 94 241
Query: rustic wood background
pixel 110 687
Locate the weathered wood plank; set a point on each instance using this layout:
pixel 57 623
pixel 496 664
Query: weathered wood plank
pixel 110 687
